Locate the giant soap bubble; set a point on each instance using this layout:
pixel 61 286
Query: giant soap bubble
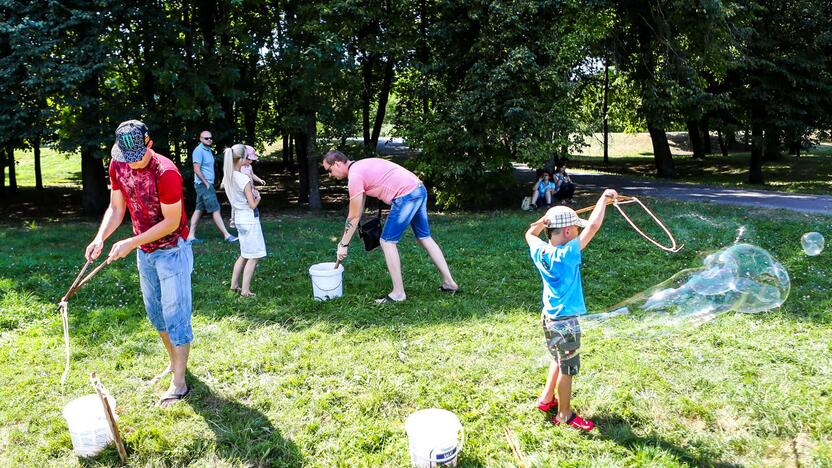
pixel 812 243
pixel 742 278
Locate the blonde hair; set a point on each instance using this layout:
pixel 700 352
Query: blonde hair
pixel 231 155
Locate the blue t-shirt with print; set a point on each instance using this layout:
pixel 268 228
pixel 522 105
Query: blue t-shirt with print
pixel 560 269
pixel 542 187
pixel 203 156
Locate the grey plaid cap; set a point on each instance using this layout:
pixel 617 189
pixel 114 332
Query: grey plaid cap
pixel 561 217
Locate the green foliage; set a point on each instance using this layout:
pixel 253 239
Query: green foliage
pixel 477 84
pixel 497 87
pixel 286 381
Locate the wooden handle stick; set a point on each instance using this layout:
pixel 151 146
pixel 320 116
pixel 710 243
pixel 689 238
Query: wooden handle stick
pixel 111 419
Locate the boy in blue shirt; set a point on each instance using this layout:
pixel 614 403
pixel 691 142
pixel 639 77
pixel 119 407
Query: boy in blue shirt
pixel 558 263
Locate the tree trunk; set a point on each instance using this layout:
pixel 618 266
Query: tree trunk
pixel 771 141
pixel 695 135
pixel 312 163
pixel 661 152
pixel 367 80
pixel 706 136
pixel 755 173
pixel 2 170
pixel 12 172
pixel 94 191
pixel 722 145
pixel 177 147
pixel 285 150
pixel 38 172
pixel 606 109
pixel 250 119
pixel 383 96
pixel 731 141
pixel 422 51
pixel 292 151
pixel 303 167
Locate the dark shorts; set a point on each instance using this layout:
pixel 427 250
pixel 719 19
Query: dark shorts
pixel 206 199
pixel 563 338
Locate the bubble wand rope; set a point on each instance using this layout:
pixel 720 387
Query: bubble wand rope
pixel 623 200
pixel 62 307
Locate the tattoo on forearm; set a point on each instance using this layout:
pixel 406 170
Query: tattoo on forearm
pixel 348 225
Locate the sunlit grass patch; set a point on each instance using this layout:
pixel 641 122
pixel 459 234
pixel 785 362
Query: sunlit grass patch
pixel 285 380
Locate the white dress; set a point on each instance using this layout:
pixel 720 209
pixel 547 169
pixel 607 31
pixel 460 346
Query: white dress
pixel 252 244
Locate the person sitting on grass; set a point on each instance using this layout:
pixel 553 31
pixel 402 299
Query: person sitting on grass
pixel 244 199
pixel 149 186
pixel 564 187
pixel 559 263
pixel 543 190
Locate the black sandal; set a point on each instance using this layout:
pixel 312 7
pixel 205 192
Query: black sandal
pixel 453 291
pixel 173 397
pixel 386 300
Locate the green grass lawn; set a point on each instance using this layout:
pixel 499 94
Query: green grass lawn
pixel 58 169
pixel 283 380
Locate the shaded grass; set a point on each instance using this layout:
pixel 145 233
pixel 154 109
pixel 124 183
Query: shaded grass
pixel 288 381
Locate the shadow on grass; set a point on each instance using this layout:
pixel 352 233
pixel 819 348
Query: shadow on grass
pixel 243 435
pixel 615 428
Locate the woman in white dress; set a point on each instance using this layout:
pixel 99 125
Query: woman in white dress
pixel 244 199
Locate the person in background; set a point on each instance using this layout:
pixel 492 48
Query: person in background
pixel 565 188
pixel 543 190
pixel 206 196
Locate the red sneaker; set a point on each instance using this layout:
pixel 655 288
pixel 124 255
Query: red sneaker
pixel 575 421
pixel 546 407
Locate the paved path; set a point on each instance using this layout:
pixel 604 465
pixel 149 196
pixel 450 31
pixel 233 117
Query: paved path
pixel 806 203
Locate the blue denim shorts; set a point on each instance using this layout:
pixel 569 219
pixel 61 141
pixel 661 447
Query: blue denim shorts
pixel 165 278
pixel 410 209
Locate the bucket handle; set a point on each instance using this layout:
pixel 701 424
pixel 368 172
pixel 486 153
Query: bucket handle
pixel 328 290
pixel 456 450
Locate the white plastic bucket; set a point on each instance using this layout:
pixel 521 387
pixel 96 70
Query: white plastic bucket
pixel 327 281
pixel 436 437
pixel 88 427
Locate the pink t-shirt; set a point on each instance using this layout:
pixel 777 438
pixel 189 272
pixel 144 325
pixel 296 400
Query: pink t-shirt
pixel 381 179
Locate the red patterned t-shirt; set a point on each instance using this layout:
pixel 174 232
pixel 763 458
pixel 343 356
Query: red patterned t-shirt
pixel 145 190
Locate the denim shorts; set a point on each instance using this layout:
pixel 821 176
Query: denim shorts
pixel 165 278
pixel 206 199
pixel 563 338
pixel 410 209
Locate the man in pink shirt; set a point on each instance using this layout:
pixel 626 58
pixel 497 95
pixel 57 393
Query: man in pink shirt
pixel 407 197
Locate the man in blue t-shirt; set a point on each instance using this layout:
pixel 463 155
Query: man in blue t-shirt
pixel 206 196
pixel 559 265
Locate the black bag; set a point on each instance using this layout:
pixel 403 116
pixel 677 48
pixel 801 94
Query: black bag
pixel 370 231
